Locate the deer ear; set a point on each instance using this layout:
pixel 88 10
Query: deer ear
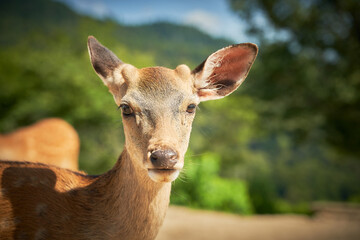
pixel 104 62
pixel 223 71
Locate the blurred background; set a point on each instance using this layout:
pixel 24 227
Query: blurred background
pixel 289 137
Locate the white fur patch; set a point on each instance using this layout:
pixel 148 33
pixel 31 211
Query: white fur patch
pixel 117 77
pixel 213 61
pixel 158 176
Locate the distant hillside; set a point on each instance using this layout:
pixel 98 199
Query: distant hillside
pixel 45 69
pixel 168 43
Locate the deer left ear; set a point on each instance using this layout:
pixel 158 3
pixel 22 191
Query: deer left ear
pixel 224 71
pixel 103 60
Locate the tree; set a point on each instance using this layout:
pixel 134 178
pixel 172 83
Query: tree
pixel 315 67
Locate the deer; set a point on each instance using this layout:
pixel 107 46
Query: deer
pixel 51 141
pixel 129 201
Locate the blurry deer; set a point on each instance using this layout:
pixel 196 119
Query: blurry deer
pixel 51 141
pixel 130 201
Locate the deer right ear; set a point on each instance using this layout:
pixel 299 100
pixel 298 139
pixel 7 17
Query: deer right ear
pixel 223 71
pixel 104 62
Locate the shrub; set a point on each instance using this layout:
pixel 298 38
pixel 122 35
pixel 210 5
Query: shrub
pixel 201 187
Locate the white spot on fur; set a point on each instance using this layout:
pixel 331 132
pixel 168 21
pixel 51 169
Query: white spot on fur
pixel 117 75
pixel 214 61
pixel 157 176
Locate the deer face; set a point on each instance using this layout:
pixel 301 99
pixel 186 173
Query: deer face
pixel 158 107
pixel 158 104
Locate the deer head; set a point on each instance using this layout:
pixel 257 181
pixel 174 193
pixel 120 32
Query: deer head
pixel 158 104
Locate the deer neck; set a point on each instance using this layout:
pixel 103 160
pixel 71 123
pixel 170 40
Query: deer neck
pixel 134 204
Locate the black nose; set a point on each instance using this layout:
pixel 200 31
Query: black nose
pixel 165 159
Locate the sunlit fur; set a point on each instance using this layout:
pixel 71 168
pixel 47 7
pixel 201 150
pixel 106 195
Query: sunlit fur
pixel 52 141
pixel 129 201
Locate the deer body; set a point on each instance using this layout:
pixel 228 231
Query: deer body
pixel 130 201
pixel 120 204
pixel 51 141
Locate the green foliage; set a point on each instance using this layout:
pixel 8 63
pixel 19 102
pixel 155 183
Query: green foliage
pixel 286 207
pixel 307 88
pixel 315 68
pixel 289 132
pixel 201 187
pixel 45 70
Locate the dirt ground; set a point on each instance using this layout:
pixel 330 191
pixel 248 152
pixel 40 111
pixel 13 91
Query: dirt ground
pixel 188 224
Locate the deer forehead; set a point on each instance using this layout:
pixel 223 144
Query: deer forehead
pixel 165 78
pixel 159 85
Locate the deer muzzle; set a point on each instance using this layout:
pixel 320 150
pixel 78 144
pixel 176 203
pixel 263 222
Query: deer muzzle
pixel 165 165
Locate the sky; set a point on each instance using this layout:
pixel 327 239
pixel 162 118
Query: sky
pixel 211 16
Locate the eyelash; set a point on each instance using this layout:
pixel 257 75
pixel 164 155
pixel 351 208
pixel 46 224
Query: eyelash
pixel 191 108
pixel 126 110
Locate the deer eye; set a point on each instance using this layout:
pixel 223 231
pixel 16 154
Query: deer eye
pixel 191 108
pixel 126 110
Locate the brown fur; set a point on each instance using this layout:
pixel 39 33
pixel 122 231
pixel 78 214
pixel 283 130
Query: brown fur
pixel 52 141
pixel 44 202
pixel 130 200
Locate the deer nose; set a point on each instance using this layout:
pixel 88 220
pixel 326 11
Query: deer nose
pixel 165 159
